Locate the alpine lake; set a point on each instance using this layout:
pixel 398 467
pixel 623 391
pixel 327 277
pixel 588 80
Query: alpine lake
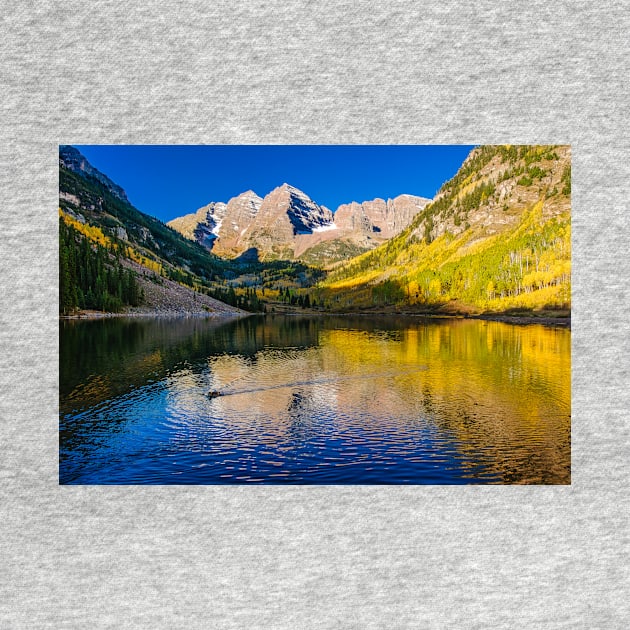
pixel 292 399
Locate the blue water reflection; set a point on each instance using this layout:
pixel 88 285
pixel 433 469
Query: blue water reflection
pixel 316 400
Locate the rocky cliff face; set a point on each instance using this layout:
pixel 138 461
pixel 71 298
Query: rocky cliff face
pixel 379 219
pixel 202 225
pixel 240 213
pixel 287 223
pixel 74 161
pixel 284 214
pixel 499 185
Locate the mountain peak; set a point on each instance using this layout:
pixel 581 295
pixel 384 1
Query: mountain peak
pixel 249 194
pixel 422 200
pixel 287 222
pixel 292 190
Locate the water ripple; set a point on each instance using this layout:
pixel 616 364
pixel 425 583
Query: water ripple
pixel 411 405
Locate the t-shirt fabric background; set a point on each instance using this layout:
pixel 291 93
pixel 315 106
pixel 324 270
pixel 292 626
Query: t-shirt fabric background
pixel 302 73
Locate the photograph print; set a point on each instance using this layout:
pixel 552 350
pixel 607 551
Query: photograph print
pixel 315 314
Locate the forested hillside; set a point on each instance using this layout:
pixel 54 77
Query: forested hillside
pixel 113 256
pixel 496 237
pixel 91 275
pixel 89 201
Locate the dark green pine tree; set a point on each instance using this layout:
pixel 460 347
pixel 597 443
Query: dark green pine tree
pixel 92 276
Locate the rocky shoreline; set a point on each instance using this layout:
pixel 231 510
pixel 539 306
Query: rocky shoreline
pixel 139 312
pixel 229 312
pixel 519 320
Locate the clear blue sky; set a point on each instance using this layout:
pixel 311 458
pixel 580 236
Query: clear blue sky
pixel 169 181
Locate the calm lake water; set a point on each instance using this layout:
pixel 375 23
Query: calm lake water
pixel 317 400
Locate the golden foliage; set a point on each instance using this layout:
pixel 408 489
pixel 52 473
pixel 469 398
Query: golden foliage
pixel 93 233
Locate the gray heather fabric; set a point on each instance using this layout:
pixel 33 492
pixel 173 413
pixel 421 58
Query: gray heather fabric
pixel 314 557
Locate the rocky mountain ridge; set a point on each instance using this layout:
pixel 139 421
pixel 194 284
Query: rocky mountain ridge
pixel 75 161
pixel 288 224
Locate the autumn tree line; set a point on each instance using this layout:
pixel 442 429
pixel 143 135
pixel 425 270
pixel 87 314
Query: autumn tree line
pixel 93 277
pixel 528 266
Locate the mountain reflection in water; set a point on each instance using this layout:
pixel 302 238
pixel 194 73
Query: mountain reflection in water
pixel 315 400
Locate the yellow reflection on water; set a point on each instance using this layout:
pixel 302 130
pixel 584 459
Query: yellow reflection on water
pixel 498 389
